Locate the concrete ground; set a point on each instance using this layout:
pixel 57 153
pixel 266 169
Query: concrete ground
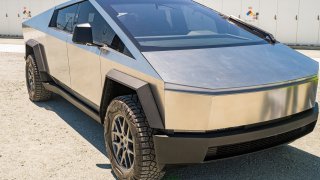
pixel 55 140
pixel 314 54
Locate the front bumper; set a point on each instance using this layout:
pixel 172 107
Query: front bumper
pixel 187 109
pixel 188 148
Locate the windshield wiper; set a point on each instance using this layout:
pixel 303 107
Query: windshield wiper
pixel 265 35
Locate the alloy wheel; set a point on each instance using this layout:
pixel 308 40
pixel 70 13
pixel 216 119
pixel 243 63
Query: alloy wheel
pixel 122 142
pixel 30 79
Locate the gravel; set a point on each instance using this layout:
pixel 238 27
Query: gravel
pixel 55 140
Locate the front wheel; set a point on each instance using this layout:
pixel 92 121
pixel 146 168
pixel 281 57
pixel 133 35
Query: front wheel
pixel 129 140
pixel 36 90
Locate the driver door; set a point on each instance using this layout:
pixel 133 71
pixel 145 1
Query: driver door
pixel 84 60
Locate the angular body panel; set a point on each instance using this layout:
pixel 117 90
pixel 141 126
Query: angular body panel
pixel 56 49
pixel 85 71
pixel 217 84
pixel 110 60
pixel 214 82
pixel 232 67
pixel 205 112
pixel 54 42
pixel 36 28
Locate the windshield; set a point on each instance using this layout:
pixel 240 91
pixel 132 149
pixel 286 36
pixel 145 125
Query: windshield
pixel 166 25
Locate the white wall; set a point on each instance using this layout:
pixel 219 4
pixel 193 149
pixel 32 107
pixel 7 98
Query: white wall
pixel 295 22
pixel 290 21
pixel 11 13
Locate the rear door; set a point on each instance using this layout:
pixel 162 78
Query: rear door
pixel 60 29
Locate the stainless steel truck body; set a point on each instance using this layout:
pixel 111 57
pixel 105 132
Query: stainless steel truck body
pixel 173 82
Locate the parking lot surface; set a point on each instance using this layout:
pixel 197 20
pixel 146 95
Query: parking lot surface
pixel 55 140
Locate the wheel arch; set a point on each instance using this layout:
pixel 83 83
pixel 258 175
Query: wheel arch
pixel 36 49
pixel 119 84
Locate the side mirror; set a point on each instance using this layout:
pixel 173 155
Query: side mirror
pixel 82 34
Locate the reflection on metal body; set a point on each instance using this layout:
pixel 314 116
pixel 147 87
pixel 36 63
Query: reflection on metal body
pixel 232 67
pixel 84 62
pixel 200 101
pixel 112 59
pixel 260 72
pixel 205 112
pixel 77 59
pixel 56 49
pixel 65 59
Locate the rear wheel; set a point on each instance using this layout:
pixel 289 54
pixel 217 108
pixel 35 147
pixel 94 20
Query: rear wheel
pixel 36 90
pixel 129 140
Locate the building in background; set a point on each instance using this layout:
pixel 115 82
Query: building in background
pixel 294 22
pixel 14 12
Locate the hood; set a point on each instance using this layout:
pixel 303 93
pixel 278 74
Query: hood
pixel 232 67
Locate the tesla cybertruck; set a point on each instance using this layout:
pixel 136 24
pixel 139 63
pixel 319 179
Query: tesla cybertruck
pixel 173 82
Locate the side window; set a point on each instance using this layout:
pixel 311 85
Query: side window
pixel 65 18
pixel 101 30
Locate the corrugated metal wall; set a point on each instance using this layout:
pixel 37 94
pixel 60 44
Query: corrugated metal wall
pixel 295 22
pixel 14 12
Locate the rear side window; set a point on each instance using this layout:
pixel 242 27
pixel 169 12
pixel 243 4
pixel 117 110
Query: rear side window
pixel 101 30
pixel 65 18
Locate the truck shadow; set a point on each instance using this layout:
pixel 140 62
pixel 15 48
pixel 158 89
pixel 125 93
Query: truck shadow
pixel 284 162
pixel 88 128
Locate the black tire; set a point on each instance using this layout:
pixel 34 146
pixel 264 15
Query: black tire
pixel 36 90
pixel 144 164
